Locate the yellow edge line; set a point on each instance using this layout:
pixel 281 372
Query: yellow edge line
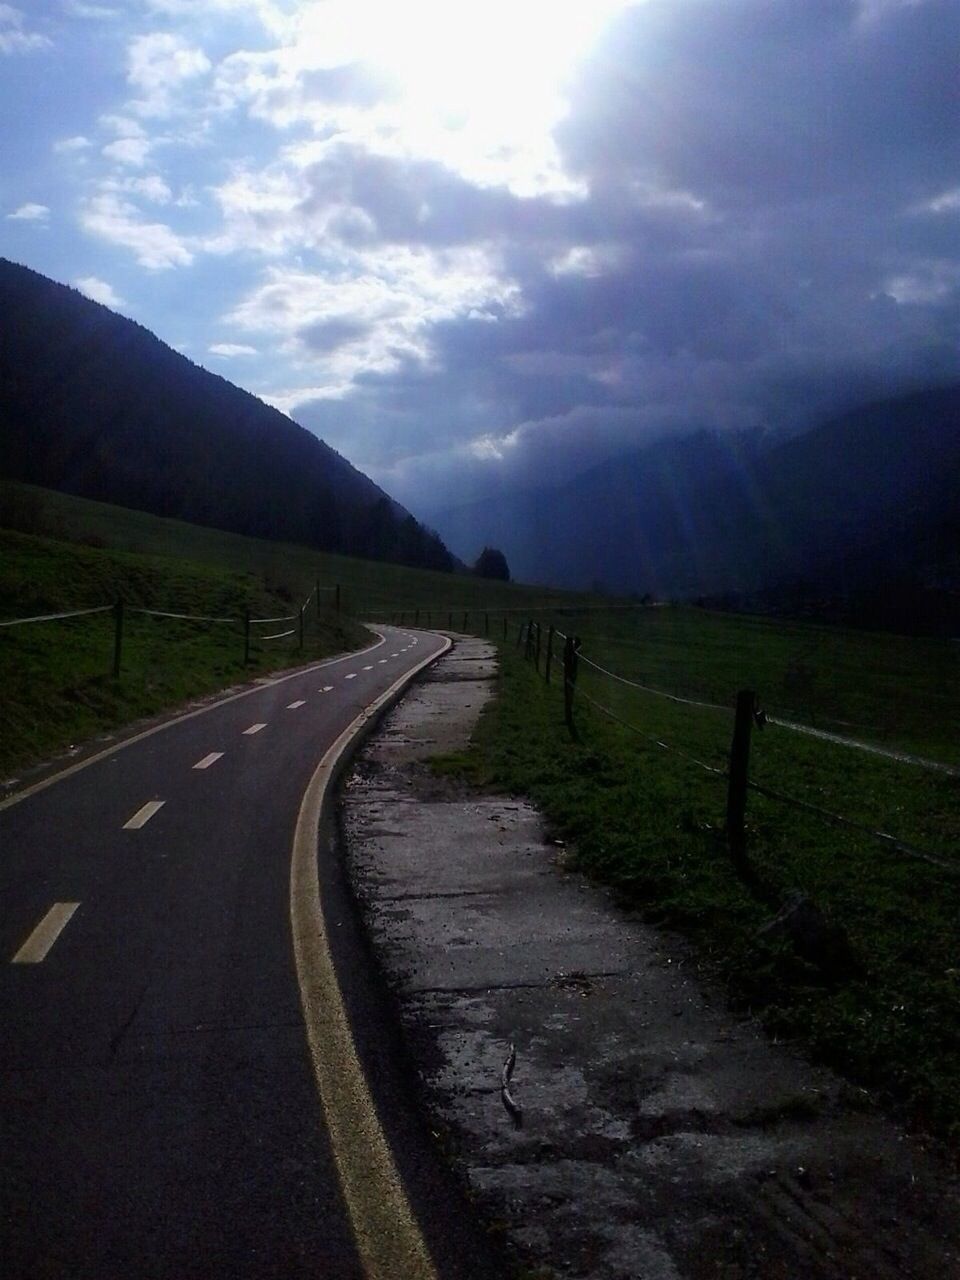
pixel 189 715
pixel 385 1228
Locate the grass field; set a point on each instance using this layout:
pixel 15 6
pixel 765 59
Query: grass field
pixel 56 677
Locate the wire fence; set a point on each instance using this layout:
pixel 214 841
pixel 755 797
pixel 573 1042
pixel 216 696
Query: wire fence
pixel 746 715
pixel 247 621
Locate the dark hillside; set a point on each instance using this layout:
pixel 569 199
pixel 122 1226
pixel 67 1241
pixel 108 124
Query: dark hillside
pixel 839 508
pixel 94 404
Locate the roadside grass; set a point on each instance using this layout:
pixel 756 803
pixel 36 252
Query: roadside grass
pixel 899 691
pixel 650 824
pixel 56 677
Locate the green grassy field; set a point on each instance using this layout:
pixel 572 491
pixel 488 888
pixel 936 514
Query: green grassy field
pixel 56 677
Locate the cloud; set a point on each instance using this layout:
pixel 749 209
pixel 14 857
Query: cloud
pixel 158 66
pixel 91 12
pixel 72 146
pixel 379 305
pixel 13 36
pixel 118 221
pixel 548 232
pixel 129 151
pixel 30 213
pixel 99 291
pixel 229 350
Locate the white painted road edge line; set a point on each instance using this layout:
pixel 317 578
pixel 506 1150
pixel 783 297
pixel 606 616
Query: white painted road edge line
pixel 300 702
pixel 207 761
pixel 254 728
pixel 19 796
pixel 388 1236
pixel 45 934
pixel 143 815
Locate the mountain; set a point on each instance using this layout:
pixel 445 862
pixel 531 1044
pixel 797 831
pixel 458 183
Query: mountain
pixel 94 404
pixel 705 513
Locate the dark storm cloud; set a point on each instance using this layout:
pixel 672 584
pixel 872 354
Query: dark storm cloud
pixel 759 245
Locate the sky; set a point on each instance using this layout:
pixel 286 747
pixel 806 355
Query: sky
pixel 484 244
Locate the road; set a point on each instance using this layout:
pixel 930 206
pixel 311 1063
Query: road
pixel 161 1115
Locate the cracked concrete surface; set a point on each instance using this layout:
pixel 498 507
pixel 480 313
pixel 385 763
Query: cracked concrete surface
pixel 661 1135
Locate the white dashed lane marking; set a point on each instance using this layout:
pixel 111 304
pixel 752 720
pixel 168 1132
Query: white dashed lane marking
pixel 382 661
pixel 327 688
pixel 207 761
pixel 46 933
pixel 143 815
pixel 370 668
pixel 254 728
pixel 351 676
pixel 292 706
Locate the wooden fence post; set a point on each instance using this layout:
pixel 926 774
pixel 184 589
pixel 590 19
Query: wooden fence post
pixel 737 786
pixel 246 637
pixel 117 636
pixel 519 634
pixel 465 616
pixel 528 647
pixel 570 663
pixel 536 657
pixel 549 659
pixel 504 626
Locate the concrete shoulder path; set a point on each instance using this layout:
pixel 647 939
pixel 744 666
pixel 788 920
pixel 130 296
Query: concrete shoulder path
pixel 659 1136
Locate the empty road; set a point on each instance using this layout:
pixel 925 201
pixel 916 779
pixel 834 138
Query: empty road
pixel 172 1013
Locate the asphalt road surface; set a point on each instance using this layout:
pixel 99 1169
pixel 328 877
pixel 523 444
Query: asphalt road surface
pixel 161 1115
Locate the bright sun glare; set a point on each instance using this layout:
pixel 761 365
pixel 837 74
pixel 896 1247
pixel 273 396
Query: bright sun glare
pixel 480 85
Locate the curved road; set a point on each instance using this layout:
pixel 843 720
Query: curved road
pixel 160 1110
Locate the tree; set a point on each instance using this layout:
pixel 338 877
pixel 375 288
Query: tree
pixel 492 563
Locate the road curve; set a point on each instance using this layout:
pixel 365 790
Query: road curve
pixel 159 1096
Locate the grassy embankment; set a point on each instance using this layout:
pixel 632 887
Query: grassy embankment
pixel 60 553
pixel 651 824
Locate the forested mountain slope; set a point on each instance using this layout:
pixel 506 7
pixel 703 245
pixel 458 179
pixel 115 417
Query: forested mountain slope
pixel 94 404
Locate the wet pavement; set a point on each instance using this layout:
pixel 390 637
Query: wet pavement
pixel 654 1134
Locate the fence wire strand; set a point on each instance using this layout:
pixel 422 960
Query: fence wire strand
pixel 826 815
pixel 183 617
pixel 649 737
pixel 837 819
pixel 54 617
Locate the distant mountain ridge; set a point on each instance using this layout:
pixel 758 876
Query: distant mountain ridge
pixel 94 404
pixel 706 513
